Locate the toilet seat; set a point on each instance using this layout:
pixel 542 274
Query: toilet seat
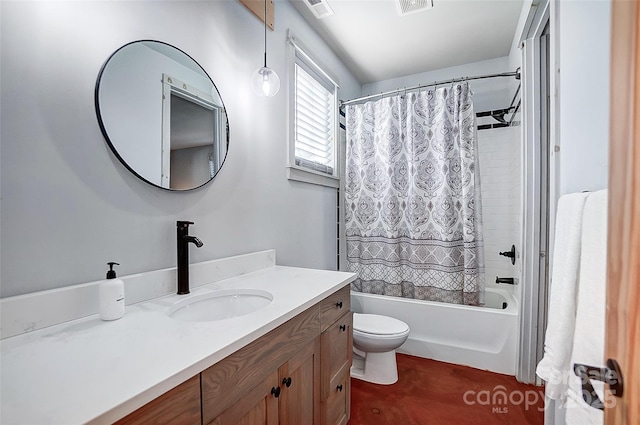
pixel 375 324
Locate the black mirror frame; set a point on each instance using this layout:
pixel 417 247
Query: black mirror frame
pixel 110 143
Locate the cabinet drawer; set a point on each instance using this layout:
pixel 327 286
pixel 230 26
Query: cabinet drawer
pixel 336 409
pixel 336 353
pixel 334 306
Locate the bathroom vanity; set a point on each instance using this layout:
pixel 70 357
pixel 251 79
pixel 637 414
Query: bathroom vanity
pixel 296 374
pixel 286 363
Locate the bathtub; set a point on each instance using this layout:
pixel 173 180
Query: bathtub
pixel 480 337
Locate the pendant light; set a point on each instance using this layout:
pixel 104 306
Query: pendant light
pixel 265 81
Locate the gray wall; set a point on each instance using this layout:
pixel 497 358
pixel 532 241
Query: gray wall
pixel 488 94
pixel 582 63
pixel 583 43
pixel 68 206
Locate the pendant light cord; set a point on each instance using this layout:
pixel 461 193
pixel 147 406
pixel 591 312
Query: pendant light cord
pixel 265 33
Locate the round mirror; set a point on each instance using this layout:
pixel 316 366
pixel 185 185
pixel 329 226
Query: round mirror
pixel 162 115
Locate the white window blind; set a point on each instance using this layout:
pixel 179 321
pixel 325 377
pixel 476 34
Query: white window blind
pixel 313 149
pixel 315 125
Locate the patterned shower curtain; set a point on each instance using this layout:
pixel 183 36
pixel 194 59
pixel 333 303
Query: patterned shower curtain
pixel 413 210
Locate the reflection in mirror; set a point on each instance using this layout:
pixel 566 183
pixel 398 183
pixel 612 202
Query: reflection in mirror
pixel 162 115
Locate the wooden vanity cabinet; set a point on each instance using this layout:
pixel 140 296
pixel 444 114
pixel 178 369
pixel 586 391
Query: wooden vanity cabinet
pixel 297 374
pixel 320 384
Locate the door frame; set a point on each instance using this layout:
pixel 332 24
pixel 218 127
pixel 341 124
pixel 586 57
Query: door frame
pixel 536 182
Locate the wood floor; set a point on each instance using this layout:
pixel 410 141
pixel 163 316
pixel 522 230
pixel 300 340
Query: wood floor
pixel 431 392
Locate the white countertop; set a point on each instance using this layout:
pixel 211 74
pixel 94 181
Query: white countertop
pixel 92 371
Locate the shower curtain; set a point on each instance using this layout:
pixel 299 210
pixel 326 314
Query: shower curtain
pixel 412 192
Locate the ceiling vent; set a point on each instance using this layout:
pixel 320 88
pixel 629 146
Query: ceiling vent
pixel 320 8
pixel 406 7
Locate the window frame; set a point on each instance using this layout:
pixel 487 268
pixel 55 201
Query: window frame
pixel 298 53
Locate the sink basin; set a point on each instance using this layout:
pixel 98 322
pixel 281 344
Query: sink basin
pixel 219 305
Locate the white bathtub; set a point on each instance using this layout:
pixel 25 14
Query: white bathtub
pixel 480 337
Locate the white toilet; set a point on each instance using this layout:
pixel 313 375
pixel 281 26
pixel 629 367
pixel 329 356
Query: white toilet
pixel 375 339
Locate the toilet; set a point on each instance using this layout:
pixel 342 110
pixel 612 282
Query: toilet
pixel 375 340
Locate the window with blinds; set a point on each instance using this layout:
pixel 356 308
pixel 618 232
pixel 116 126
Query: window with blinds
pixel 313 121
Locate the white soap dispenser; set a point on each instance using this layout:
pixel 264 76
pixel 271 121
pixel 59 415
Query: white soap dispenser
pixel 111 295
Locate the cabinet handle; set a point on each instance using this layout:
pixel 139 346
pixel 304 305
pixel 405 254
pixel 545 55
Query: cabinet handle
pixel 286 382
pixel 339 387
pixel 275 391
pixel 339 304
pixel 343 328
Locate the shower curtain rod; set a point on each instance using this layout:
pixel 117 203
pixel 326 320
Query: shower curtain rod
pixel 515 74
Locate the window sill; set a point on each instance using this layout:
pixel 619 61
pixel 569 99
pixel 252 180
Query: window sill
pixel 306 176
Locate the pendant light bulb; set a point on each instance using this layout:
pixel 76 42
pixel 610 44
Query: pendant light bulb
pixel 265 81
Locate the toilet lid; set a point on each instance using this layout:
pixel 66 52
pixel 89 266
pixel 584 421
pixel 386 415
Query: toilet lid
pixel 380 325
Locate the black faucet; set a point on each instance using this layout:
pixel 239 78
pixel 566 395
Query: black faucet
pixel 183 240
pixel 511 254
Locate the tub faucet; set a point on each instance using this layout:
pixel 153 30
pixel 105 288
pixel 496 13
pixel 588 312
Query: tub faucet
pixel 508 280
pixel 183 239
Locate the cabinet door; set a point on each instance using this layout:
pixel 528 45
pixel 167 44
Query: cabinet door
pixel 258 407
pixel 337 353
pixel 300 383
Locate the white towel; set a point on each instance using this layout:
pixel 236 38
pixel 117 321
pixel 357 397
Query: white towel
pixel 588 340
pixel 554 366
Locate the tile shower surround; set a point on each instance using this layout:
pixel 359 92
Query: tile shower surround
pixel 500 177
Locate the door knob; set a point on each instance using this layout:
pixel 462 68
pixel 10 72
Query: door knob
pixel 611 375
